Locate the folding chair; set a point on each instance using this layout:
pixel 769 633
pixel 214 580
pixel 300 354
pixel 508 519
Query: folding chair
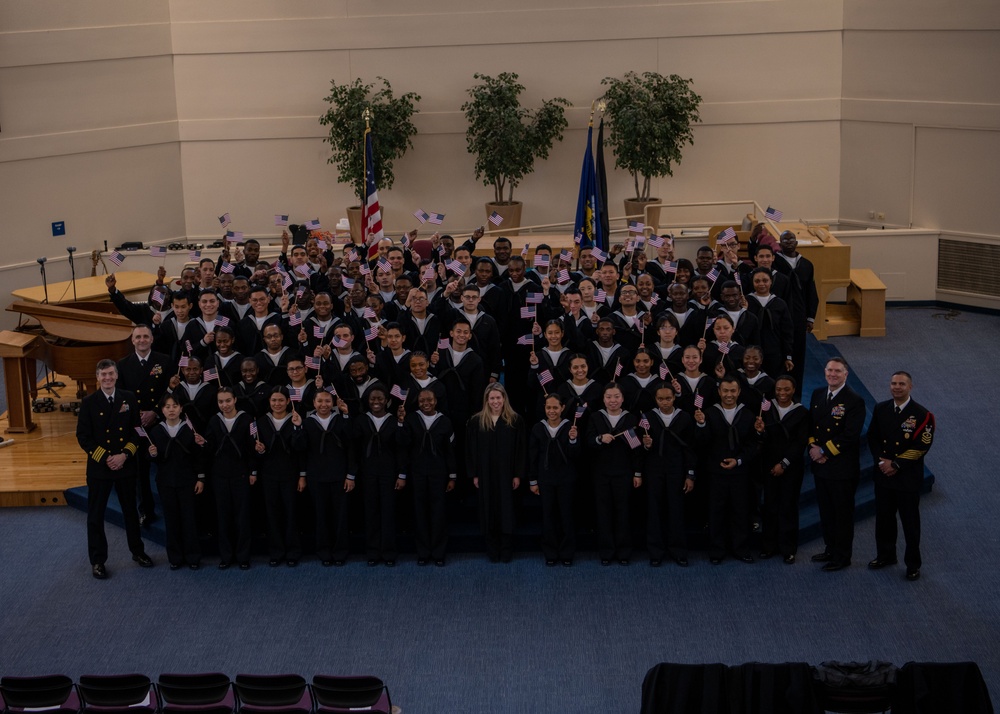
pixel 272 694
pixel 340 695
pixel 208 693
pixel 55 693
pixel 118 694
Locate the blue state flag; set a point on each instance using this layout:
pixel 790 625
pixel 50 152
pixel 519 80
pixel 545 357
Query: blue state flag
pixel 588 218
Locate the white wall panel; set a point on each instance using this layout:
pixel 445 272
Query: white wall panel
pixel 876 173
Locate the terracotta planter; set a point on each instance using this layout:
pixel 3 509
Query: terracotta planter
pixel 511 213
pixel 635 207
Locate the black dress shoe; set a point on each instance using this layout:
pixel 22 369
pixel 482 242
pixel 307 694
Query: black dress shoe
pixel 274 563
pixel 223 566
pixel 338 563
pixel 143 560
pixel 550 563
pixel 175 566
pixel 244 566
pixel 623 561
pixel 765 554
pixel 390 563
pixel 194 566
pixel 372 563
pixel 327 563
pixel 912 574
pixel 605 562
pixel 789 560
pixel 681 561
pixel 421 561
pixel 833 566
pixel 292 563
pixel 655 563
pixel 439 563
pixel 143 520
pixel 567 563
pixel 821 558
pixel 715 561
pixel 746 558
pixel 99 571
pixel 880 563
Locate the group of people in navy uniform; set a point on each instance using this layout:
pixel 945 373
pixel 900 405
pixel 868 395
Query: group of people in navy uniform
pixel 628 392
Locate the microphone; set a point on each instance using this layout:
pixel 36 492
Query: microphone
pixel 71 249
pixel 45 283
pixel 72 268
pixel 41 261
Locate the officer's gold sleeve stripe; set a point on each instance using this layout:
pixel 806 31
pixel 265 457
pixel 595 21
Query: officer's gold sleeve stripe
pixel 131 448
pixel 98 454
pixel 911 455
pixel 834 451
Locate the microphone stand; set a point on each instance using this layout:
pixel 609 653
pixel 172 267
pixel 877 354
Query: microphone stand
pixel 72 268
pixel 45 284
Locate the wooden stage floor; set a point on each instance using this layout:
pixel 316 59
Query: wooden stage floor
pixel 39 466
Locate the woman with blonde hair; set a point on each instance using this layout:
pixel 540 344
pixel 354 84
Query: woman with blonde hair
pixel 494 453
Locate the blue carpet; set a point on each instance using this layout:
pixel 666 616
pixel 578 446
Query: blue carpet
pixel 475 637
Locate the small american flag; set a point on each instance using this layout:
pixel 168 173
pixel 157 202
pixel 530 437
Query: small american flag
pixel 534 298
pixel 187 344
pixel 528 313
pixel 563 276
pixel 157 251
pixel 347 282
pixel 281 219
pixel 633 439
pixel 599 254
pixel 141 432
pixel 739 281
pixel 566 256
pixel 351 254
pixel 644 422
pixel 312 363
pixel 383 265
pixel 338 343
pixel 225 219
pixel 294 318
pixel 321 244
pixel 372 333
pixel 230 236
pixel 421 215
pixel 578 238
pixel 671 266
pixel 528 339
pixel 222 321
pixel 436 218
pixel 227 267
pixel 253 429
pixel 428 273
pixel 398 392
pixel 541 260
pixel 295 393
pixel 525 249
pixel 580 410
pixel 708 323
pixel 440 250
pixel 654 298
pixel 304 270
pixel 330 389
pixel 765 405
pixel 699 401
pixel 369 313
pixel 444 343
pixel 158 295
pixel 664 370
pixel 544 377
pixel 116 258
pixel 405 240
pixel 287 281
pixel 299 292
pixel 313 225
pixel 209 374
pixel 496 219
pixel 456 267
pixel 773 214
pixel 636 227
pixel 318 331
pixel 657 241
pixel 364 268
pixel 713 274
pixel 618 369
pixel 728 235
pixel 194 254
pixel 723 348
pixel 600 295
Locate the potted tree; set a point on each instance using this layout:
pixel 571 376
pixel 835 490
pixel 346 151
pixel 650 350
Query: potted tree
pixel 392 130
pixel 506 138
pixel 650 118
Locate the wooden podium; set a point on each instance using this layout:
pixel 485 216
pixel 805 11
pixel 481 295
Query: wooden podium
pixel 19 351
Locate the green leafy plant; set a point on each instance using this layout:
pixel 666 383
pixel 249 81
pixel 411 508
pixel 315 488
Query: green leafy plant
pixel 505 137
pixel 391 127
pixel 650 118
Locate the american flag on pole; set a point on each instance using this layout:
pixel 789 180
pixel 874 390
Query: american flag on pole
pixel 157 251
pixel 347 282
pixel 541 260
pixel 524 250
pixel 664 370
pixel 398 392
pixel 405 240
pixel 428 272
pixel 600 295
pixel 194 254
pixel 304 270
pixel 671 266
pixel 534 298
pixel 330 389
pixel 313 225
pixel 338 343
pixel 229 236
pixel 727 235
pixel 383 265
pixel 421 215
pixel 644 423
pixel 773 214
pixel 371 334
pixel 713 274
pixel 636 227
pixel 318 332
pixel 496 219
pixel 739 281
pixel 444 343
pixel 708 323
pixel 544 377
pixel 632 438
pixel 578 238
pixel 183 361
pixel 528 313
pixel 351 254
pixel 227 267
pixel 253 429
pixel 369 313
pixel 158 296
pixel 222 321
pixel 456 267
pixel 765 405
pixel 209 374
pixel 321 244
pixel 699 401
pixel 295 393
pixel 372 222
pixel 286 281
pixel 116 258
pixel 237 236
pixel 281 219
pixel 528 339
pixel 723 348
pixel 295 318
pixel 225 219
pixel 580 410
pixel 312 363
pixel 563 276
pixel 618 369
pixel 657 241
pixel 364 268
pixel 436 218
pixel 566 256
pixel 187 344
pixel 654 298
pixel 599 254
pixel 141 432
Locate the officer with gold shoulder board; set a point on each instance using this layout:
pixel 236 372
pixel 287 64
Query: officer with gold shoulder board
pixel 900 435
pixel 106 430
